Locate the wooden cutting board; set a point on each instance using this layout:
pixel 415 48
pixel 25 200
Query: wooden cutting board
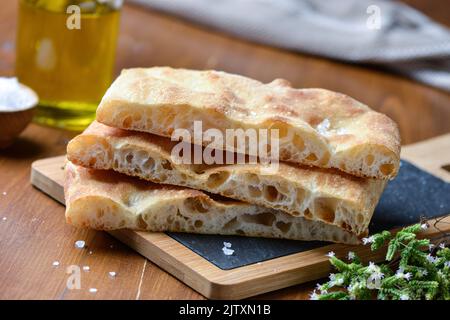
pixel 432 156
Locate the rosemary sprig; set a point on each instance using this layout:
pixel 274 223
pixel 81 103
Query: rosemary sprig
pixel 418 274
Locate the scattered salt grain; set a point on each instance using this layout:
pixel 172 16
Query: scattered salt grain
pixel 55 263
pixel 4 193
pixel 92 290
pixel 4 218
pixel 86 268
pixel 112 274
pixel 342 131
pixel 80 244
pixel 227 252
pixel 90 252
pixel 323 127
pixel 226 249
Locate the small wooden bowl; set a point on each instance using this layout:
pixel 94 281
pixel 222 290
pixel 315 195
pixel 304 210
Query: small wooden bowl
pixel 13 122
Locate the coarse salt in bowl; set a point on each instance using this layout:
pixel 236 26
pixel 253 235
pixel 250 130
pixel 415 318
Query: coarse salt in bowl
pixel 17 103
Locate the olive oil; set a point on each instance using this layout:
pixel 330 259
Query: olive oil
pixel 69 68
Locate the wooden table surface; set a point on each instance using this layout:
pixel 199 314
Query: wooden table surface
pixel 33 233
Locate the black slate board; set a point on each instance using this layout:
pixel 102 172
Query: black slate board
pixel 412 195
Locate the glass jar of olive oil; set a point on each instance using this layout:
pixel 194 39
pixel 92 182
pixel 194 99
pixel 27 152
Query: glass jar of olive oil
pixel 66 53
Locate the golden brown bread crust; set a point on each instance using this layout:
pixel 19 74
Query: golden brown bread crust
pixel 325 195
pixel 107 200
pixel 317 127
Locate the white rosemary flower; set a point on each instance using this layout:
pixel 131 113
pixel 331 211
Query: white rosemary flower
pixel 314 296
pixel 402 275
pixel 372 267
pixel 367 240
pixel 377 275
pixel 321 289
pixel 431 259
pixel 351 255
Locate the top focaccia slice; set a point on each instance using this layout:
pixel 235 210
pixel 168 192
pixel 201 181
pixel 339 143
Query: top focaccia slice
pixel 317 127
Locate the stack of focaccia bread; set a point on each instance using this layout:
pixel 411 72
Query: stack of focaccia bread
pixel 335 157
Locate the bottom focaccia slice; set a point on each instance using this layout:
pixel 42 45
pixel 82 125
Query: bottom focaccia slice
pixel 107 200
pixel 328 196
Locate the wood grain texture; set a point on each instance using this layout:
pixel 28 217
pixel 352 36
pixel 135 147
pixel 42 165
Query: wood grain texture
pixel 35 234
pixel 247 281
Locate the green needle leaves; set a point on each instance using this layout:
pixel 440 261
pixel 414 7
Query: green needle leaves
pixel 419 274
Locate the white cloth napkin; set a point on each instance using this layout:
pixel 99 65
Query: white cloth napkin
pixel 381 32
